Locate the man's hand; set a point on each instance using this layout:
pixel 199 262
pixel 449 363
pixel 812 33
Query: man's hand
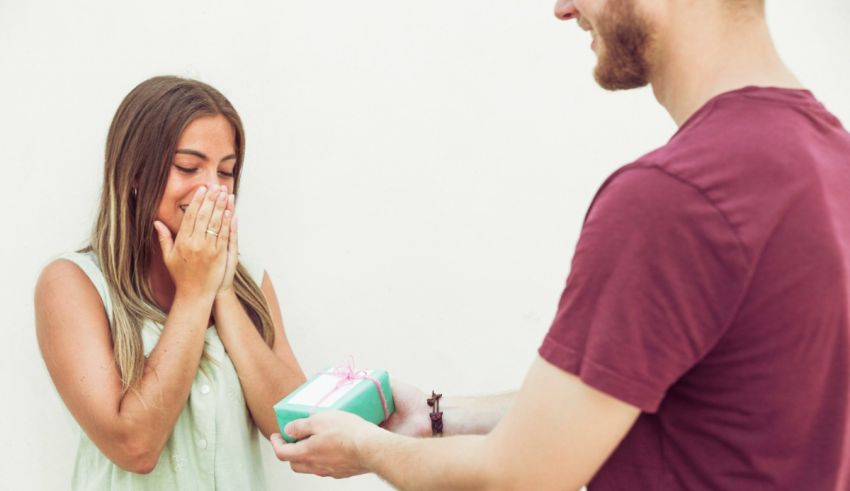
pixel 332 444
pixel 557 434
pixel 411 416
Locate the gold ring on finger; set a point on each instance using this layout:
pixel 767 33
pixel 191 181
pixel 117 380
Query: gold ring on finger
pixel 212 232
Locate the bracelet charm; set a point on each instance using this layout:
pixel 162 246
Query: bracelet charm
pixel 436 414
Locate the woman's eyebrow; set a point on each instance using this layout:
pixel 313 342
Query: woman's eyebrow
pixel 189 151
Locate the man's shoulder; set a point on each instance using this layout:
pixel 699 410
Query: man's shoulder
pixel 749 132
pixel 725 156
pixel 751 166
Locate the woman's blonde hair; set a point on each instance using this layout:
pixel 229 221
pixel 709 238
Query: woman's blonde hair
pixel 139 150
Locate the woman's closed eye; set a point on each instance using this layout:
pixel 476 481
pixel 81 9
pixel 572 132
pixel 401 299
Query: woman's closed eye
pixel 186 170
pixel 192 170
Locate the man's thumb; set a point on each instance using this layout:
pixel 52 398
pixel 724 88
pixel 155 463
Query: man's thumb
pixel 299 428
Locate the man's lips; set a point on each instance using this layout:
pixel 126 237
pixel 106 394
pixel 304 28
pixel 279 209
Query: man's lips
pixel 587 27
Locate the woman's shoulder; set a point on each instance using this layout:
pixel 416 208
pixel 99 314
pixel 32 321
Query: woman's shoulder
pixel 85 259
pixel 74 274
pixel 71 266
pixel 75 266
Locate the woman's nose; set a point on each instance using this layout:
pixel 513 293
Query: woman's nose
pixel 213 182
pixel 565 9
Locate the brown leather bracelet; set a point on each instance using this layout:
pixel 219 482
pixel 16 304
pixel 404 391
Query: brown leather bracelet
pixel 436 414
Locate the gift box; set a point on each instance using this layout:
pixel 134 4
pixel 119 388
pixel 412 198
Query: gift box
pixel 366 393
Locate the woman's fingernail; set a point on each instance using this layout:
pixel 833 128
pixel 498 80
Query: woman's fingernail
pixel 201 190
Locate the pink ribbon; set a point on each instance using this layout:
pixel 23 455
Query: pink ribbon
pixel 347 375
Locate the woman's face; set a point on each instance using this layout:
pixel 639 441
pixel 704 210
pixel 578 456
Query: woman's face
pixel 205 156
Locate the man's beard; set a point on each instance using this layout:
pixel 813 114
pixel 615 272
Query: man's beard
pixel 624 60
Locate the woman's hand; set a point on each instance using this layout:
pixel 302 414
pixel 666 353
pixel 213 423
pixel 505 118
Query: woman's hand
pixel 226 287
pixel 197 257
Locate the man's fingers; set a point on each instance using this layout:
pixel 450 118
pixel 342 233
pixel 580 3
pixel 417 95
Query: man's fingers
pixel 302 468
pixel 164 235
pixel 299 429
pixel 281 448
pixel 290 452
pixel 276 440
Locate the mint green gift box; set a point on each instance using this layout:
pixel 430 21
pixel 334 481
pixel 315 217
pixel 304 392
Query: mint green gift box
pixel 334 390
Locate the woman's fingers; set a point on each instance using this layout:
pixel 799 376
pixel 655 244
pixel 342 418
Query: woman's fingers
pixel 202 221
pixel 231 203
pixel 227 243
pixel 224 234
pixel 188 223
pixel 165 239
pixel 217 216
pixel 231 206
pixel 233 242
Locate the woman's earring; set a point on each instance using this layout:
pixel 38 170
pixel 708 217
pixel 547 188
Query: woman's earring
pixel 134 192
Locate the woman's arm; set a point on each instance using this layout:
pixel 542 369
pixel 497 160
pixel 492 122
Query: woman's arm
pixel 73 333
pixel 266 374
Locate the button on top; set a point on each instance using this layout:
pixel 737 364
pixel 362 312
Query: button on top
pixel 202 443
pixel 205 389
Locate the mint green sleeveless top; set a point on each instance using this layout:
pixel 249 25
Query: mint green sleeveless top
pixel 214 444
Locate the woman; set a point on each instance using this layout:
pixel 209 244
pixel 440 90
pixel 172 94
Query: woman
pixel 168 351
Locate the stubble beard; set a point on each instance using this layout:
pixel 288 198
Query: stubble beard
pixel 624 62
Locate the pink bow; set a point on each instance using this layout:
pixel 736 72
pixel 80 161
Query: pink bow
pixel 347 375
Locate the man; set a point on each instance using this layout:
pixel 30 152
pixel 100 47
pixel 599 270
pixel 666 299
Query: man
pixel 702 340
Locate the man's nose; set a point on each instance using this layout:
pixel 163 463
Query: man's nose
pixel 565 9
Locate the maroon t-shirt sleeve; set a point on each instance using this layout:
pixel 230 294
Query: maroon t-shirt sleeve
pixel 656 277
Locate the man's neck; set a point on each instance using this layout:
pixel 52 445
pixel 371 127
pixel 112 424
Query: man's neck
pixel 701 60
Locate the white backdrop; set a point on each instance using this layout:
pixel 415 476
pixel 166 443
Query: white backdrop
pixel 415 182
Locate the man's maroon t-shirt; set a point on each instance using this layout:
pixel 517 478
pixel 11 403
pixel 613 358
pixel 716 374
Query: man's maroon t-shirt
pixel 711 289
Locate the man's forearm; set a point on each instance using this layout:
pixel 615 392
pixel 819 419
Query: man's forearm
pixel 465 459
pixel 474 415
pixel 454 463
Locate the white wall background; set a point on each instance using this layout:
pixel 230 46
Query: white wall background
pixel 416 176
